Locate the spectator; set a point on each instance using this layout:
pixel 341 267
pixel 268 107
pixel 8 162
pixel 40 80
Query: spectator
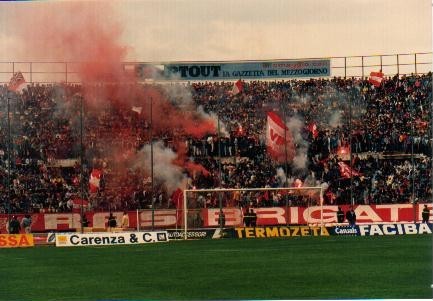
pixel 340 215
pixel 253 218
pixel 351 216
pixel 14 226
pixel 27 223
pixel 425 214
pixel 125 221
pixel 112 223
pixel 84 221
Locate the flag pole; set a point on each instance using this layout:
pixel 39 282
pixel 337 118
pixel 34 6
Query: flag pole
pixel 138 221
pixel 350 146
pixel 412 134
pixel 220 201
pixel 81 164
pixel 8 178
pixel 151 166
pixel 286 184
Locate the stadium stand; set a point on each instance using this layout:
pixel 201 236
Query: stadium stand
pixel 387 129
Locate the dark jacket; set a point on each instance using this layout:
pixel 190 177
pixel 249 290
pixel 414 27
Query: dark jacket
pixel 351 216
pixel 112 222
pixel 14 226
pixel 340 216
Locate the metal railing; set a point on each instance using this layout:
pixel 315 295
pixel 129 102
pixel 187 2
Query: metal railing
pixel 346 66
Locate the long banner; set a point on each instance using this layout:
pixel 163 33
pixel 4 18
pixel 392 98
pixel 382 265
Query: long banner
pixel 302 231
pixel 107 239
pixel 235 71
pixel 170 218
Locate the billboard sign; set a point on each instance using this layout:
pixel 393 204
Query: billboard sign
pixel 16 240
pixel 279 231
pixel 109 239
pixel 395 229
pixel 234 70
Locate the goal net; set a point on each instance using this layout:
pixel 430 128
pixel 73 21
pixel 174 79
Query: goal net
pixel 237 207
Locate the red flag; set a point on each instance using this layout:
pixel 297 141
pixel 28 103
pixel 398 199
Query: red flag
pixel 238 87
pixel 16 81
pixel 95 180
pixel 376 78
pixel 177 198
pixel 347 172
pixel 312 128
pixel 276 145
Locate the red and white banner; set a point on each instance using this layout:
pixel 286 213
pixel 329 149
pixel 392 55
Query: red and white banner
pixel 16 81
pixel 238 87
pixel 376 78
pixel 168 218
pixel 95 180
pixel 278 139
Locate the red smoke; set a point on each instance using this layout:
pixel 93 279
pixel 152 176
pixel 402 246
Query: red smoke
pixel 182 160
pixel 88 33
pixel 166 116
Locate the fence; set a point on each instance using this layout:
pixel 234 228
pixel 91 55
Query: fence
pixel 348 66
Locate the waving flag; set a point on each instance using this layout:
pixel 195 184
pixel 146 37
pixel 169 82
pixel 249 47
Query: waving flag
pixel 16 81
pixel 312 128
pixel 278 139
pixel 95 180
pixel 177 198
pixel 376 78
pixel 238 87
pixel 137 109
pixel 347 172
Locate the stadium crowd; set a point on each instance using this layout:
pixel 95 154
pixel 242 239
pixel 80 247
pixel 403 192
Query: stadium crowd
pixel 386 127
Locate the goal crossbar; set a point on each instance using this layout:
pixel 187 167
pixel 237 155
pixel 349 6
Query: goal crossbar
pixel 253 189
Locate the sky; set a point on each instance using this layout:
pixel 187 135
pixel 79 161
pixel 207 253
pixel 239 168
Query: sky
pixel 176 30
pixel 275 29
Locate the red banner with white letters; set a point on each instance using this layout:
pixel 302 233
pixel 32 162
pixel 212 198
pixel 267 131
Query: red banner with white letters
pixel 169 218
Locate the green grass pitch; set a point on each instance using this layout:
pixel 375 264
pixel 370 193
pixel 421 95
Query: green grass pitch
pixel 292 268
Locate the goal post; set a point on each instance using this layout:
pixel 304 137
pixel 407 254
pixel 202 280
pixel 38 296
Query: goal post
pixel 207 204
